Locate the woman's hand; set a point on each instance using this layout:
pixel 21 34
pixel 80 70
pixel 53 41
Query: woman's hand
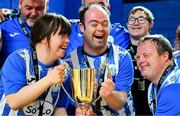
pixel 57 74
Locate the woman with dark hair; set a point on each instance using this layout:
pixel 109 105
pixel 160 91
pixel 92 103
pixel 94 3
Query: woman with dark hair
pixel 32 77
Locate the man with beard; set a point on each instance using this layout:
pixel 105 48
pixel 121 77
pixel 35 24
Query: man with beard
pixel 16 32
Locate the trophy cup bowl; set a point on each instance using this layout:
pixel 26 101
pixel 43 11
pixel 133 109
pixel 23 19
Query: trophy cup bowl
pixel 83 86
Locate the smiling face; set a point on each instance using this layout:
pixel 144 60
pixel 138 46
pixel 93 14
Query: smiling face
pixel 149 62
pixel 95 29
pixel 32 9
pixel 58 44
pixel 139 30
pixel 49 50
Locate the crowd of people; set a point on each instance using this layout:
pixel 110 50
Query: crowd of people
pixel 38 50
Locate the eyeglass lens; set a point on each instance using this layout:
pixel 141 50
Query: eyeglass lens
pixel 140 20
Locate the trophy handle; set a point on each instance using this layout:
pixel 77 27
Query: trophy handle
pixel 98 98
pixel 83 106
pixel 68 94
pixel 67 68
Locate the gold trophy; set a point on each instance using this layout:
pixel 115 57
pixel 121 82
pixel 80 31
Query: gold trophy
pixel 83 85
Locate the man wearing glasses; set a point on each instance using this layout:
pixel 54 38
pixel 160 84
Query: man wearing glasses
pixel 140 22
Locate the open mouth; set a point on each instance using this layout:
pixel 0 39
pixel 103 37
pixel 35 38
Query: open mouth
pixel 32 19
pixel 63 48
pixel 99 36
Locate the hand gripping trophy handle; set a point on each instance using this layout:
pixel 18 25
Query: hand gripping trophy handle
pixel 83 87
pixel 83 82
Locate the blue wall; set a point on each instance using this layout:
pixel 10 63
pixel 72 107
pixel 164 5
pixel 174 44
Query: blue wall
pixel 57 6
pixel 8 3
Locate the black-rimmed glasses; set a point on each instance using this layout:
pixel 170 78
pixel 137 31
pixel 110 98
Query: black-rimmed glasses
pixel 140 20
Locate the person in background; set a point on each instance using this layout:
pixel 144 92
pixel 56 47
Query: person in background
pixel 177 39
pixel 140 21
pixel 6 14
pixel 117 76
pixel 118 34
pixel 176 53
pixel 155 61
pixel 32 76
pixel 16 31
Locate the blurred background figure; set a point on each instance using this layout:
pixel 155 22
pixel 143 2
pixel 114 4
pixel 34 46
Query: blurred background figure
pixel 176 52
pixel 0 40
pixel 3 13
pixel 177 41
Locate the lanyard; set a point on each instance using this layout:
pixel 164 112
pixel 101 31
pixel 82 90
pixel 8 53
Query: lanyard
pixel 23 27
pixel 88 65
pixel 97 105
pixel 35 64
pixel 171 66
pixel 155 91
pixel 36 70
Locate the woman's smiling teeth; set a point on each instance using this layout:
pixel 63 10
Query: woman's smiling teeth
pixel 64 47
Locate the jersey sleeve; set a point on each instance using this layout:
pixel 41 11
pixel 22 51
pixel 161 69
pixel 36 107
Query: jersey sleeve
pixel 168 102
pixel 13 73
pixel 125 76
pixel 64 92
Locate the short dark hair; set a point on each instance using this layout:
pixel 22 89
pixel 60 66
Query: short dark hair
pixel 148 13
pixel 86 7
pixel 162 43
pixel 48 24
